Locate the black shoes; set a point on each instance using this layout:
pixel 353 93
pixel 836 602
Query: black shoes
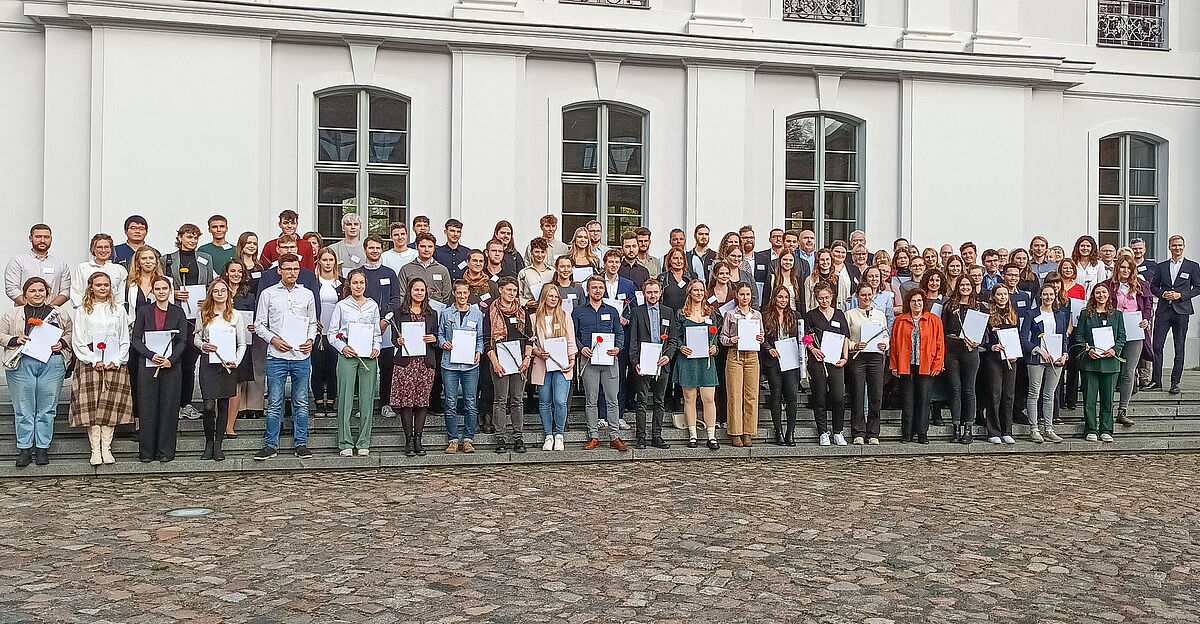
pixel 41 456
pixel 967 435
pixel 659 443
pixel 302 452
pixel 779 439
pixel 410 447
pixel 1174 390
pixel 692 443
pixel 713 445
pixel 418 447
pixel 922 439
pixel 208 450
pixel 1154 386
pixel 518 446
pixel 500 448
pixel 24 457
pixel 640 444
pixel 1123 417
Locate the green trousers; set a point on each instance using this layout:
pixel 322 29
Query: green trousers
pixel 1098 386
pixel 365 371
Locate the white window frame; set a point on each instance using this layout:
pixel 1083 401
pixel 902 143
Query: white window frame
pixel 1124 200
pixel 820 186
pixel 602 178
pixel 1125 16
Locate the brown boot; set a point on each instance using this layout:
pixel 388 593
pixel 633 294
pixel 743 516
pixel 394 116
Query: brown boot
pixel 735 440
pixel 747 440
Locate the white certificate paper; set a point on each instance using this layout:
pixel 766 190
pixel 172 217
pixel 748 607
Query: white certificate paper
pixel 226 341
pixel 649 360
pixel 831 346
pixel 1053 344
pixel 557 348
pixel 974 324
pixel 196 294
pixel 1133 326
pixel 616 303
pixel 463 351
pixel 1010 340
pixel 748 331
pixel 294 331
pixel 789 354
pixel 729 305
pixel 41 338
pixel 869 330
pixel 361 338
pixel 580 274
pixel 509 356
pixel 437 306
pixel 1077 306
pixel 108 355
pixel 600 356
pixel 414 338
pixel 159 342
pixel 1103 338
pixel 696 339
pixel 935 308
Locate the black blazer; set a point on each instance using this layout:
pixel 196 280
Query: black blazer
pixel 432 353
pixel 642 332
pixel 1187 283
pixel 144 321
pixel 762 267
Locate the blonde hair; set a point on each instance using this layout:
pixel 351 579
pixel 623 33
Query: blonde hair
pixel 135 268
pixel 559 327
pixel 206 306
pixel 89 301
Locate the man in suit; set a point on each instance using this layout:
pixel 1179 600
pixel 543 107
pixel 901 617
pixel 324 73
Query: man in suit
pixel 618 289
pixel 1178 281
pixel 188 267
pixel 651 324
pixel 761 262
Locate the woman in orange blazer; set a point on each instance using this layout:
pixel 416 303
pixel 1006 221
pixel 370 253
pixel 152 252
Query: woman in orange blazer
pixel 917 354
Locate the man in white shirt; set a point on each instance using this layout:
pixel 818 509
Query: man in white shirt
pixel 349 250
pixel 400 254
pixel 808 247
pixel 554 247
pixel 38 262
pixel 287 311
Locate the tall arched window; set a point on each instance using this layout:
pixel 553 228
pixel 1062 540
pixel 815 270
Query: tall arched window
pixel 362 160
pixel 603 169
pixel 822 176
pixel 1129 190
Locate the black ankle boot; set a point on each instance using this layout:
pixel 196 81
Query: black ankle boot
pixel 218 453
pixel 958 433
pixel 968 433
pixel 24 457
pixel 417 447
pixel 208 450
pixel 779 439
pixel 410 447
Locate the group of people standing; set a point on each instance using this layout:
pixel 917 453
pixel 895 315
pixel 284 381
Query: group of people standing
pixel 419 326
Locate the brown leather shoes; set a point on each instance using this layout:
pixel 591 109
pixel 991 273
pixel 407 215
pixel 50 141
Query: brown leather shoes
pixel 591 444
pixel 747 439
pixel 735 440
pixel 619 445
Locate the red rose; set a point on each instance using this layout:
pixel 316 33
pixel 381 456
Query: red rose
pixel 599 339
pixel 712 329
pixel 101 346
pixel 34 321
pixel 341 336
pixel 664 336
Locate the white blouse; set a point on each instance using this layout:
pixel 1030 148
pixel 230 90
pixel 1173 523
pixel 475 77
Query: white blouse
pixel 104 320
pixel 116 275
pixel 218 324
pixel 329 298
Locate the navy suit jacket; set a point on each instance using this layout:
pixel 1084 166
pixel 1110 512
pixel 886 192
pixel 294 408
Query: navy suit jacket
pixel 1187 284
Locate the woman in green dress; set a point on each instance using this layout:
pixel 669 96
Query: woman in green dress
pixel 1098 368
pixel 697 375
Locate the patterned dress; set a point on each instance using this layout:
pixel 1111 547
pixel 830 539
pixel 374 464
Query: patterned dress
pixel 412 378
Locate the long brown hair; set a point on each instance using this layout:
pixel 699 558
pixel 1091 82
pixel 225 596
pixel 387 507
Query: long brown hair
pixel 89 302
pixel 771 320
pixel 240 253
pixel 792 278
pixel 1135 280
pixel 1053 278
pixel 998 315
pixel 954 297
pixel 1093 305
pixel 206 307
pixel 558 328
pixel 688 305
pixel 1078 258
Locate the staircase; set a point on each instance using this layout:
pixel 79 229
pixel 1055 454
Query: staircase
pixel 1163 423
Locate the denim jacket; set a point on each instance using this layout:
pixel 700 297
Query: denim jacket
pixel 448 321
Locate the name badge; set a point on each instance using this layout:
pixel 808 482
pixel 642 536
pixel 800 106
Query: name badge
pixel 512 320
pixel 557 326
pixel 682 284
pixel 495 278
pixel 227 246
pixel 1141 269
pixel 462 265
pixel 604 317
pixel 712 299
pixel 1183 276
pixel 1020 304
pixel 762 268
pixel 571 296
pixel 834 324
pixel 437 277
pixel 471 324
pixel 202 260
pixel 485 296
pixel 355 259
pixel 255 274
pixel 708 321
pixel 50 271
pixel 385 281
pixel 666 323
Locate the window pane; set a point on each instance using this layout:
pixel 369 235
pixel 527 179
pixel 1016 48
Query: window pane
pixel 840 136
pixel 625 199
pixel 329 219
pixel 570 223
pixel 389 147
pixel 1110 216
pixel 625 159
pixel 388 113
pixel 1142 154
pixel 336 188
pixel 801 166
pixel 1110 181
pixel 839 167
pixel 579 157
pixel 837 230
pixel 618 225
pixel 1110 152
pixel 801 133
pixel 1151 242
pixel 799 205
pixel 1111 238
pixel 338 111
pixel 337 146
pixel 840 205
pixel 388 190
pixel 380 222
pixel 624 126
pixel 579 199
pixel 1142 217
pixel 580 124
pixel 1142 183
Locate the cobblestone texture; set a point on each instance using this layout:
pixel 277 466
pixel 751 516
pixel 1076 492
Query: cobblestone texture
pixel 1048 539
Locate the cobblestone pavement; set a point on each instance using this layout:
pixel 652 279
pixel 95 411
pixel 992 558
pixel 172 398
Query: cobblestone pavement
pixel 1102 538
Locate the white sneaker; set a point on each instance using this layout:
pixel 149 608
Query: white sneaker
pixel 1104 437
pixel 347 453
pixel 364 452
pixel 191 412
pixel 624 425
pixel 1091 437
pixel 995 440
pixel 548 445
pixel 823 440
pixel 1008 440
pixel 559 443
pixel 1036 436
pixel 839 439
pixel 387 412
pixel 603 424
pixel 1053 437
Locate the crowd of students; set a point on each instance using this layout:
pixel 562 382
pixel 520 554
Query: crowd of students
pixel 468 332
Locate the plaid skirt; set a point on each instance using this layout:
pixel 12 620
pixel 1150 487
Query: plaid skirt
pixel 102 398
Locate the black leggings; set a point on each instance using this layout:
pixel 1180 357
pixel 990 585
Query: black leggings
pixel 784 389
pixel 413 419
pixel 829 394
pixel 216 419
pixel 962 367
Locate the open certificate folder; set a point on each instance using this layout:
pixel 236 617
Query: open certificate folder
pixel 41 339
pixel 159 342
pixel 1103 338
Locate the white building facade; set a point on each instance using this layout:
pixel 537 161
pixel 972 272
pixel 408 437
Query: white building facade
pixel 938 120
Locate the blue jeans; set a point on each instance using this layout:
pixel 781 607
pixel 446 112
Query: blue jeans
pixel 34 387
pixel 465 385
pixel 552 402
pixel 278 372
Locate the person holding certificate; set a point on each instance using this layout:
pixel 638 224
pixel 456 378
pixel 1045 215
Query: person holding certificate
pixel 37 340
pixel 252 370
pixel 649 336
pixel 1095 343
pixel 510 354
pixel 594 321
pixel 1044 340
pixel 190 270
pixel 916 355
pixel 460 331
pixel 323 384
pixel 695 370
pixel 828 351
pixel 412 379
pixel 999 364
pixel 781 334
pixel 159 334
pixel 1131 296
pixel 536 273
pixel 101 397
pixel 868 346
pixel 554 350
pixel 353 332
pixel 962 355
pixel 221 336
pixel 742 333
